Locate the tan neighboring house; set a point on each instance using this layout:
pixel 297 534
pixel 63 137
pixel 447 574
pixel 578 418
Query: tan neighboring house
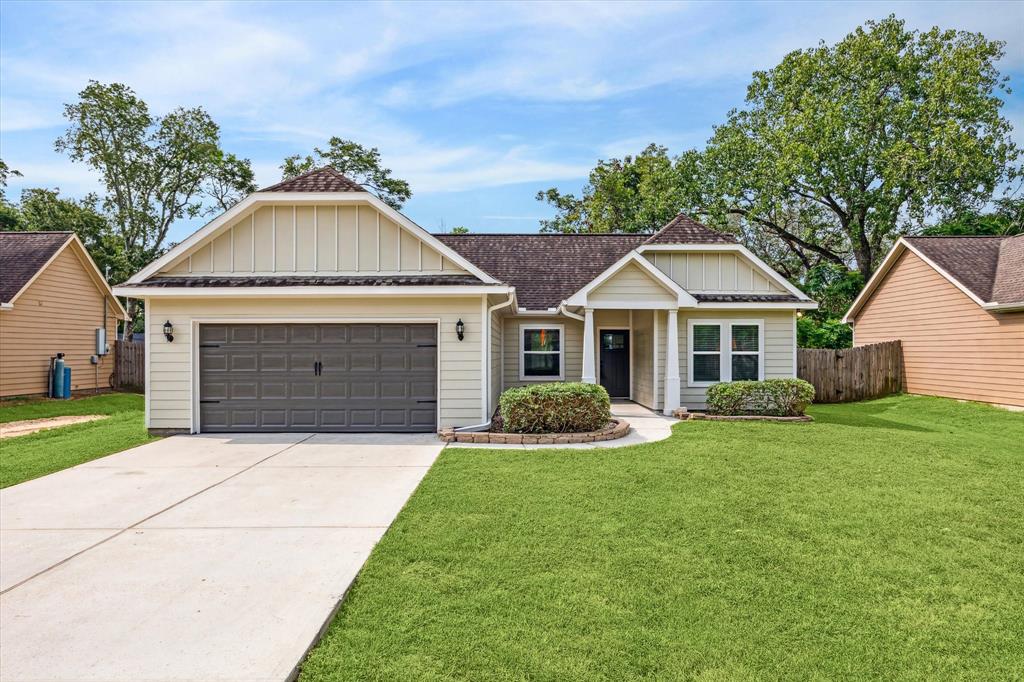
pixel 957 306
pixel 314 306
pixel 53 300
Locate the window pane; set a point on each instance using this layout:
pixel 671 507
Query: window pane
pixel 541 365
pixel 707 337
pixel 541 339
pixel 744 367
pixel 613 341
pixel 744 337
pixel 706 367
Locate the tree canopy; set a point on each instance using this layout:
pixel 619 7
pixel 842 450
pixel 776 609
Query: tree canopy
pixel 361 164
pixel 838 150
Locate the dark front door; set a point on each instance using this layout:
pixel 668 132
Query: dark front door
pixel 615 362
pixel 317 377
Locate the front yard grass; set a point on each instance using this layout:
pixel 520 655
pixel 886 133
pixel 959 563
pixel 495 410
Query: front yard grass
pixel 885 540
pixel 27 457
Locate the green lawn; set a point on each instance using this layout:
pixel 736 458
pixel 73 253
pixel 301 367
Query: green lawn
pixel 885 540
pixel 26 457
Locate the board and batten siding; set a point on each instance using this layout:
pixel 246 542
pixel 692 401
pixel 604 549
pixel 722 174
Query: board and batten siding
pixel 170 371
pixel 308 240
pixel 951 346
pixel 630 284
pixel 723 272
pixel 58 313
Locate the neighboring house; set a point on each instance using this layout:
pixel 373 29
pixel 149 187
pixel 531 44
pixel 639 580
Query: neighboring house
pixel 52 300
pixel 312 305
pixel 957 306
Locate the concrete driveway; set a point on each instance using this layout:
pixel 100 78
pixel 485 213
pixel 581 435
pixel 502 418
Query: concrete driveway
pixel 195 557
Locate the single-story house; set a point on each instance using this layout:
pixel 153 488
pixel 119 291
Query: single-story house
pixel 313 305
pixel 53 299
pixel 957 306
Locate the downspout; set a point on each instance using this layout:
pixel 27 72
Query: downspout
pixel 486 366
pixel 486 324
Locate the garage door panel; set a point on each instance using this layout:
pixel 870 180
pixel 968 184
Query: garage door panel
pixel 374 377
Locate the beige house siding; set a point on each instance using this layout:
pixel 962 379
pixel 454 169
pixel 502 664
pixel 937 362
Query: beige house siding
pixel 643 357
pixel 305 240
pixel 951 346
pixel 58 313
pixel 496 379
pixel 631 284
pixel 573 347
pixel 714 272
pixel 778 355
pixel 170 370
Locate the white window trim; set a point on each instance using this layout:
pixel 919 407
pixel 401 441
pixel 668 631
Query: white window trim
pixel 725 349
pixel 560 352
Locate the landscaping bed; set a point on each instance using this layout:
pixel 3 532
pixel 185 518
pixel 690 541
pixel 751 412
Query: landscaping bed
pixel 616 428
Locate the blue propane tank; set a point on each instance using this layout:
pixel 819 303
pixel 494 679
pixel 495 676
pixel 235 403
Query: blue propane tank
pixel 67 383
pixel 57 390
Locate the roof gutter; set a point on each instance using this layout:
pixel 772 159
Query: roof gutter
pixel 310 291
pixel 6 305
pixel 562 310
pixel 1003 307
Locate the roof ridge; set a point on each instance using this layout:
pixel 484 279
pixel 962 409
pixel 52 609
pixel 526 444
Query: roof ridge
pixel 327 168
pixel 37 231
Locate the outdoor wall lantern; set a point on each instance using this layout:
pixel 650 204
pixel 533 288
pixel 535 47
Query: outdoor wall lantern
pixel 460 329
pixel 168 331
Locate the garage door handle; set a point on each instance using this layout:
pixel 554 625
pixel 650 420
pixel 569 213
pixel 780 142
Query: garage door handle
pixel 209 401
pixel 426 401
pixel 426 345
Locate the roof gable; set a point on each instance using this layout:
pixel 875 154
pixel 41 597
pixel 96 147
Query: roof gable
pixel 324 179
pixel 989 269
pixel 23 255
pixel 685 230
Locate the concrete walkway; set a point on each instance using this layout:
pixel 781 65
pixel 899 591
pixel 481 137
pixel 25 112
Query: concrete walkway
pixel 645 426
pixel 195 557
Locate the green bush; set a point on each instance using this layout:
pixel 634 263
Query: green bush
pixel 775 397
pixel 555 408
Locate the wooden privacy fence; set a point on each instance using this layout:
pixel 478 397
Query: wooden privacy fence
pixel 848 374
pixel 129 365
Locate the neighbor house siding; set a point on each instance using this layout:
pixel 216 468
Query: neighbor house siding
pixel 170 371
pixel 298 239
pixel 573 347
pixel 58 313
pixel 951 346
pixel 778 355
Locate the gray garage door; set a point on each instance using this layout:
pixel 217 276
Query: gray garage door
pixel 317 377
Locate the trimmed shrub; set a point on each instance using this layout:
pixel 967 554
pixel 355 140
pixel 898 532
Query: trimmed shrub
pixel 773 397
pixel 555 408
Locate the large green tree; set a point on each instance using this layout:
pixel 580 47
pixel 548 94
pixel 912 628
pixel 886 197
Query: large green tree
pixel 155 169
pixel 362 164
pixel 1007 219
pixel 838 150
pixel 876 133
pixel 633 194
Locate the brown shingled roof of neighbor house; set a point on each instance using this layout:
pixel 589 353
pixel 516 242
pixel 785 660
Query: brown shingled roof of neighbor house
pixel 21 256
pixel 324 179
pixel 685 230
pixel 990 267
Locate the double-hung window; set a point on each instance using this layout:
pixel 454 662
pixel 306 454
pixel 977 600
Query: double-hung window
pixel 540 353
pixel 724 350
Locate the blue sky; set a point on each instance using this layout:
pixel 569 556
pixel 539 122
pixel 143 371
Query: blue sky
pixel 478 105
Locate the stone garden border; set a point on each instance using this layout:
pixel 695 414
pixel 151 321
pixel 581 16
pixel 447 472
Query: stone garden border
pixel 617 428
pixel 749 417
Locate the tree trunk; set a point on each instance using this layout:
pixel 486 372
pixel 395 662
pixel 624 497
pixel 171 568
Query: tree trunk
pixel 129 324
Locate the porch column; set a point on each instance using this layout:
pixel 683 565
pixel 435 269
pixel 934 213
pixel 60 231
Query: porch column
pixel 589 361
pixel 672 362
